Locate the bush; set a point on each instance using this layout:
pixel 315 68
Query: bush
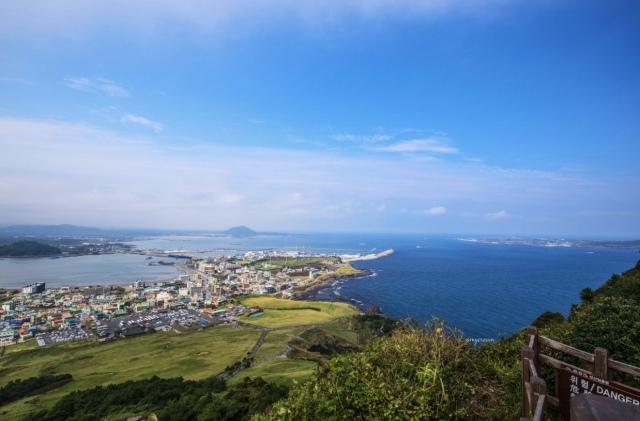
pixel 609 322
pixel 412 374
pixel 626 285
pixel 548 318
pixel 18 389
pixel 171 399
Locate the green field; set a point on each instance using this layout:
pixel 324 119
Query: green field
pixel 275 344
pixel 294 262
pixel 281 370
pixel 285 313
pixel 193 355
pixel 287 319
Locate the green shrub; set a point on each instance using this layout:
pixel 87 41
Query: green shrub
pixel 18 389
pixel 626 285
pixel 412 374
pixel 170 399
pixel 548 318
pixel 609 322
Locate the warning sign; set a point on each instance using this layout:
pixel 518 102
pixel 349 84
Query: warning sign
pixel 572 382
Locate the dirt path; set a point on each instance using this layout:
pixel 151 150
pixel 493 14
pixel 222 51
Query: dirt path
pixel 248 360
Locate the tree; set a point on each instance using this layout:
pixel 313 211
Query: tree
pixel 587 295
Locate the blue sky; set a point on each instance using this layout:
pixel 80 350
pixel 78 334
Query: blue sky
pixel 435 116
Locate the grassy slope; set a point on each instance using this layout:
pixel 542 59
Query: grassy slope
pixel 279 263
pixel 288 319
pixel 344 270
pixel 286 313
pixel 286 371
pixel 193 355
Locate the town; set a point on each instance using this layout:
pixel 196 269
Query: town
pixel 203 295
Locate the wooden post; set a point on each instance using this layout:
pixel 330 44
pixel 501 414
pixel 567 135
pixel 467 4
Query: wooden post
pixel 533 331
pixel 539 388
pixel 600 363
pixel 526 354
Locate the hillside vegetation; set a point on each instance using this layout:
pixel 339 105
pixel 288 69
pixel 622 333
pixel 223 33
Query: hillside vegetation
pixel 28 249
pixel 608 317
pixel 282 313
pixel 433 373
pixel 316 361
pixel 97 369
pixel 194 356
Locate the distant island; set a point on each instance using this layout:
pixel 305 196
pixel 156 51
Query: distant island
pixel 554 242
pixel 240 231
pixel 28 249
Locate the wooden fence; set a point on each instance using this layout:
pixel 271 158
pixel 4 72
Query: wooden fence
pixel 536 397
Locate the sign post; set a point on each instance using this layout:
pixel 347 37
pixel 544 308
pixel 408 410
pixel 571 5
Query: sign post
pixel 572 381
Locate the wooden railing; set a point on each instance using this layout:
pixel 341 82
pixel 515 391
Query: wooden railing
pixel 534 388
pixel 535 395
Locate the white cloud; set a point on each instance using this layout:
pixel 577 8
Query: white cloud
pixel 350 137
pixel 495 216
pixel 99 86
pixel 436 211
pixel 429 145
pixel 87 175
pixel 143 121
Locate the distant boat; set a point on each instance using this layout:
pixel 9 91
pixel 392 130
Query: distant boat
pixel 161 263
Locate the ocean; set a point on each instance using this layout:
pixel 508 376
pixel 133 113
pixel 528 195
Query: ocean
pixel 485 290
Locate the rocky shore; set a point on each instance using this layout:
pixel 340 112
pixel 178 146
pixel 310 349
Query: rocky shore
pixel 310 290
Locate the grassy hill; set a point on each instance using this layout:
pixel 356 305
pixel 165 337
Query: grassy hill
pixel 192 355
pixel 196 355
pixel 284 313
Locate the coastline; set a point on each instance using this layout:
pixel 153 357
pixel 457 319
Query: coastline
pixel 311 290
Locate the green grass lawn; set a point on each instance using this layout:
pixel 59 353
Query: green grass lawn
pixel 288 318
pixel 341 329
pixel 285 313
pixel 19 347
pixel 275 344
pixel 345 269
pixel 193 355
pixel 294 262
pixel 280 370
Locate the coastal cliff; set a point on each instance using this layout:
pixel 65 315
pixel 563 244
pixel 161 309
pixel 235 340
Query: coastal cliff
pixel 344 271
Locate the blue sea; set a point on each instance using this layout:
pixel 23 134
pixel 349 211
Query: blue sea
pixel 485 290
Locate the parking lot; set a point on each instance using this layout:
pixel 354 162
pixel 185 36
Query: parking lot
pixel 62 336
pixel 153 321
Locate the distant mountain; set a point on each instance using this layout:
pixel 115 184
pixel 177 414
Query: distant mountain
pixel 66 230
pixel 52 231
pixel 28 249
pixel 240 231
